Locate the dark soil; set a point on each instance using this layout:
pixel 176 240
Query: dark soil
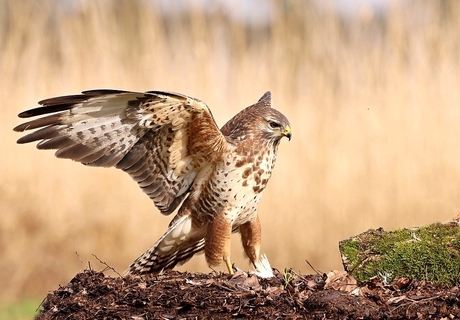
pixel 175 295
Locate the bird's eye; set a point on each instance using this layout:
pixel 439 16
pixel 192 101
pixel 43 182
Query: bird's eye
pixel 274 124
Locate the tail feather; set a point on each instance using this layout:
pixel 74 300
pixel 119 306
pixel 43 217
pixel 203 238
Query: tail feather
pixel 177 245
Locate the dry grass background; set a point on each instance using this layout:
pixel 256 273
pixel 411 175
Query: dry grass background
pixel 373 103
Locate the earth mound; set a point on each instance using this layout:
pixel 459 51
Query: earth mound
pixel 287 295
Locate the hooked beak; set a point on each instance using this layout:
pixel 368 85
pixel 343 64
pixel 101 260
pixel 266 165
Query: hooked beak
pixel 287 132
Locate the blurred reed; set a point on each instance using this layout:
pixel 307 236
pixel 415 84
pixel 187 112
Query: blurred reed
pixel 373 102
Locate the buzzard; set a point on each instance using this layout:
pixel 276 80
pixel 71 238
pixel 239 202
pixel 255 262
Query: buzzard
pixel 170 145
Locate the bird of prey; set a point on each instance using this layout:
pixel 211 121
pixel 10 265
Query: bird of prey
pixel 171 146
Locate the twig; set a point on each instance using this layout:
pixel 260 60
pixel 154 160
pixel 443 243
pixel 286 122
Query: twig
pixel 311 266
pixel 224 288
pixel 81 261
pixel 414 302
pixel 41 305
pixel 107 266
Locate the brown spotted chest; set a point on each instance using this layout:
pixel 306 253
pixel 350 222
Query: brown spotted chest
pixel 235 184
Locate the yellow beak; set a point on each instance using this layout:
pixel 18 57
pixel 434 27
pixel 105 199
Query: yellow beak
pixel 287 132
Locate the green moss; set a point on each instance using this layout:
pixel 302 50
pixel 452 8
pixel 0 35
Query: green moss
pixel 428 253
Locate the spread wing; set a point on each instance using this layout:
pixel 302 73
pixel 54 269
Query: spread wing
pixel 161 139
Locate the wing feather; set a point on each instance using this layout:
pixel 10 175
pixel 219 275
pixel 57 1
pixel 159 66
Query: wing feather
pixel 161 139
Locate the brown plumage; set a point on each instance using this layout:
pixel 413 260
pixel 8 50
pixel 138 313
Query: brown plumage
pixel 171 146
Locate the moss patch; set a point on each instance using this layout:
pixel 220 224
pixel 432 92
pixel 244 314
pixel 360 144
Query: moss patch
pixel 427 253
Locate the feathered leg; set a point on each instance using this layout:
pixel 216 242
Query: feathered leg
pixel 217 243
pixel 251 238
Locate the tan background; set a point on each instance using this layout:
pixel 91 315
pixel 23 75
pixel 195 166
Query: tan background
pixel 373 102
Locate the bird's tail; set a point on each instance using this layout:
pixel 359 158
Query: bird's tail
pixel 177 245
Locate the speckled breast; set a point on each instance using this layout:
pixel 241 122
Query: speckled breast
pixel 243 183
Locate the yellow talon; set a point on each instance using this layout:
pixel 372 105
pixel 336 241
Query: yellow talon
pixel 228 263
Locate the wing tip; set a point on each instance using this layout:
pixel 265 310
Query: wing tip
pixel 66 102
pixel 20 128
pixel 25 114
pixel 23 140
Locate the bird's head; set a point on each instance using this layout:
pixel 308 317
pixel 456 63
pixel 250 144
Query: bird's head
pixel 259 120
pixel 275 125
pixel 271 123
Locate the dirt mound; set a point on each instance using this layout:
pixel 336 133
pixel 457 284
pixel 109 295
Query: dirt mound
pixel 175 295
